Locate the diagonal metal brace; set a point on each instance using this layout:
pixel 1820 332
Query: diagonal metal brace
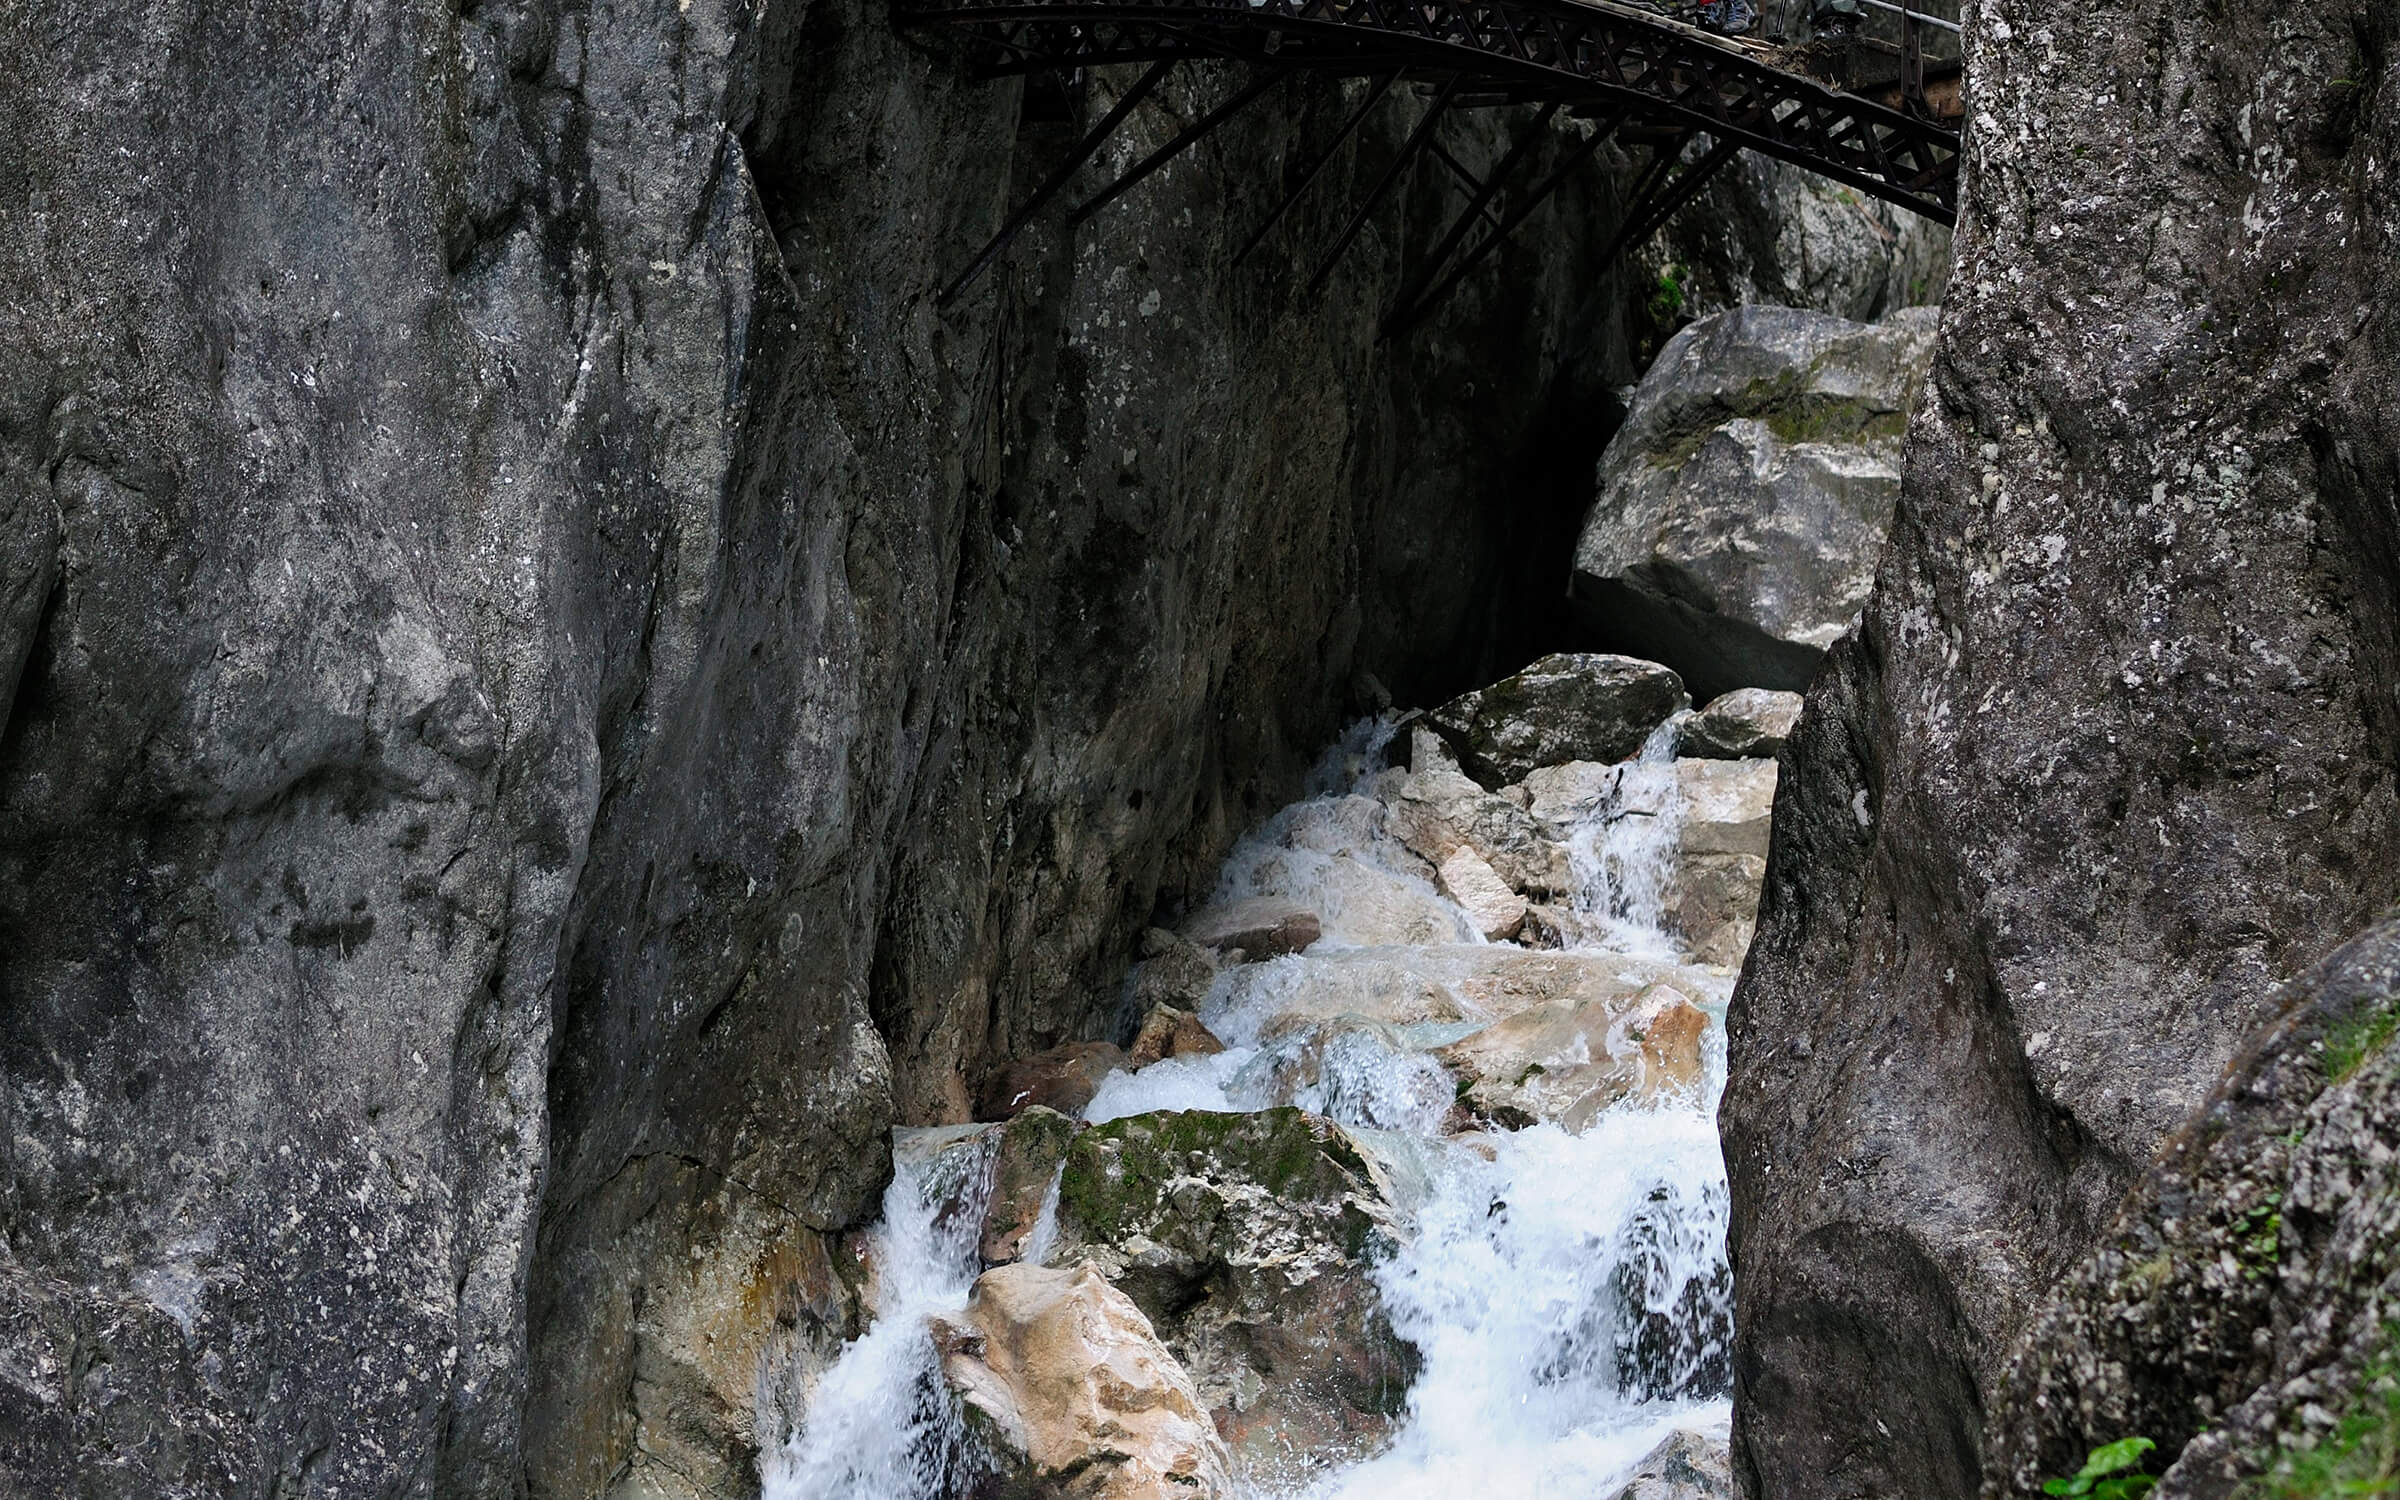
pixel 1480 208
pixel 1383 85
pixel 1174 148
pixel 1058 179
pixel 1391 174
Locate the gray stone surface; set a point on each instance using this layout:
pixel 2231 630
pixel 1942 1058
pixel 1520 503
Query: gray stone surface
pixel 553 695
pixel 2113 751
pixel 1685 1466
pixel 1741 724
pixel 2240 1302
pixel 1742 504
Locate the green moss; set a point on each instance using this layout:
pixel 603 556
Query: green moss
pixel 1117 1174
pixel 2349 1045
pixel 1792 411
pixel 2361 1456
pixel 2259 1237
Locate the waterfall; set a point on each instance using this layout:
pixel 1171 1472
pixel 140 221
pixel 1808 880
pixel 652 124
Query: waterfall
pixel 1567 1290
pixel 879 1424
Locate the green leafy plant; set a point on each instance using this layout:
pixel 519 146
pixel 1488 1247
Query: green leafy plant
pixel 2112 1472
pixel 1666 299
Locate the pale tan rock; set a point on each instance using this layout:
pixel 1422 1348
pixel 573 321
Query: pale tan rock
pixel 1062 1373
pixel 1496 912
pixel 1435 811
pixel 1373 983
pixel 1568 1060
pixel 1168 1032
pixel 1744 724
pixel 1361 899
pixel 1728 805
pixel 1258 926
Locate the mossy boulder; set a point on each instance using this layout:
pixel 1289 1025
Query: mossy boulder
pixel 1249 1240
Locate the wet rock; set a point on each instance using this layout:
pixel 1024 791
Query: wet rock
pixel 1380 984
pixel 1744 724
pixel 1495 911
pixel 1381 894
pixel 1436 811
pixel 1743 502
pixel 1248 1240
pixel 1071 1394
pixel 1063 1078
pixel 1686 1466
pixel 1024 1166
pixel 1726 817
pixel 1174 972
pixel 1571 706
pixel 1256 926
pixel 1167 1032
pixel 1566 1061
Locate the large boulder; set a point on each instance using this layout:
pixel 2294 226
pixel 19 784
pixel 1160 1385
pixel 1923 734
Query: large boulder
pixel 2238 1311
pixel 1064 1079
pixel 1254 926
pixel 2111 754
pixel 1742 504
pixel 1249 1240
pixel 1072 1395
pixel 1570 706
pixel 1726 815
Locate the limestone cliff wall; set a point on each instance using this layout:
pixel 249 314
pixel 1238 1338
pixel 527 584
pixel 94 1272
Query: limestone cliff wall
pixel 2114 750
pixel 550 695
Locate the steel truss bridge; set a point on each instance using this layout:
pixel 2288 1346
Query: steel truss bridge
pixel 1691 98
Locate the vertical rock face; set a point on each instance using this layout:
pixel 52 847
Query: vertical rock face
pixel 2114 749
pixel 547 695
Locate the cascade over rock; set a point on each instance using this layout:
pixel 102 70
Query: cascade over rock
pixel 2113 750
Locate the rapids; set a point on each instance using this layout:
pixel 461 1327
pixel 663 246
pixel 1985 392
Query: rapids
pixel 1568 1290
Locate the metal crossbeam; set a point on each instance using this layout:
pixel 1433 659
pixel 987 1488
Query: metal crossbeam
pixel 1580 51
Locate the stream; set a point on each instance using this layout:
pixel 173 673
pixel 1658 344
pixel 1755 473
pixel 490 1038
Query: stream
pixel 1564 1283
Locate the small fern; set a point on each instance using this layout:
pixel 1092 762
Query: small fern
pixel 2112 1472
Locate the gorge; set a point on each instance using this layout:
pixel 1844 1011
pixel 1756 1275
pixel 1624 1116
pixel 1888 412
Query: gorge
pixel 571 743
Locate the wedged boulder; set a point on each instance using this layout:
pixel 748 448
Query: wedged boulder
pixel 1248 1240
pixel 1063 1078
pixel 1567 1061
pixel 1686 1466
pixel 1494 910
pixel 1743 503
pixel 1436 811
pixel 1745 724
pixel 1168 1032
pixel 1726 817
pixel 1569 706
pixel 1071 1394
pixel 1257 926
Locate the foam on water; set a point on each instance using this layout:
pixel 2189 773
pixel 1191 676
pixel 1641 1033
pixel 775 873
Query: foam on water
pixel 879 1424
pixel 1568 1292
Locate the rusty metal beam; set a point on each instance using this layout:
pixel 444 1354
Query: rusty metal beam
pixel 1316 169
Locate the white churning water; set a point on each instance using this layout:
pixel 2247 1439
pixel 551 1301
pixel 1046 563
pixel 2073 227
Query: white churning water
pixel 1568 1291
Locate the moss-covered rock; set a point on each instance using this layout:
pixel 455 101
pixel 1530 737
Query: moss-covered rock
pixel 1249 1241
